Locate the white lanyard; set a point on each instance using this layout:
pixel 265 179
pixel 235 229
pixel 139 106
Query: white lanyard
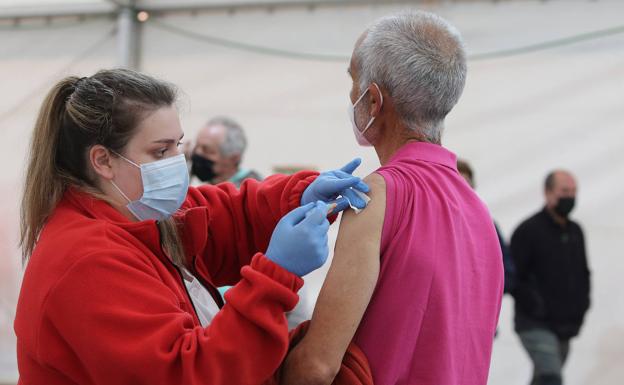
pixel 205 305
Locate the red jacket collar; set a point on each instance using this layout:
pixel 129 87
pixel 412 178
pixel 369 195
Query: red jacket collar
pixel 193 222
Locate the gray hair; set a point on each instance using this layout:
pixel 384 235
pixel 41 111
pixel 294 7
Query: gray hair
pixel 235 141
pixel 419 59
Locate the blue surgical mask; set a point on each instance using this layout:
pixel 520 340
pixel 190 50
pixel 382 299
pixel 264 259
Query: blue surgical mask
pixel 165 185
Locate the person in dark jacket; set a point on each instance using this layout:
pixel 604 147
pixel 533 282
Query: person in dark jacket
pixel 553 280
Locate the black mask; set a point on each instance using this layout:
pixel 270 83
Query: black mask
pixel 203 168
pixel 565 206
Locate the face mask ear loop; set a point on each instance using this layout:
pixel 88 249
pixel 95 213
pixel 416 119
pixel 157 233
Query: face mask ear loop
pixel 380 94
pixel 121 192
pixel 370 122
pixel 360 98
pixel 126 159
pixel 113 183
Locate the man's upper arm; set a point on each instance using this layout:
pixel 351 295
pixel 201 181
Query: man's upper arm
pixel 351 280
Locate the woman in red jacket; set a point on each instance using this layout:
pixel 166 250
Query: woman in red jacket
pixel 117 245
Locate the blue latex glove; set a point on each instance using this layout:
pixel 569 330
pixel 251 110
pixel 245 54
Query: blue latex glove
pixel 330 184
pixel 299 241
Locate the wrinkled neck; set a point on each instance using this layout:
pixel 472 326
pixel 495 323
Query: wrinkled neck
pixel 394 139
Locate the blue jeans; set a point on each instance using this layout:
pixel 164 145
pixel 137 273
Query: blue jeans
pixel 548 354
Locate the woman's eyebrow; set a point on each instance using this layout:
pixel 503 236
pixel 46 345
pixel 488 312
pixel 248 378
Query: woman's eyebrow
pixel 167 141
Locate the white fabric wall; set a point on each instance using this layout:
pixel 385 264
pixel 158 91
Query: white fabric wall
pixel 518 118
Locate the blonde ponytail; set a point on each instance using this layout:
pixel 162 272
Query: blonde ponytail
pixel 44 185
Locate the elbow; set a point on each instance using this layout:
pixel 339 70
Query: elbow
pixel 327 373
pixel 306 365
pixel 322 374
pixel 312 373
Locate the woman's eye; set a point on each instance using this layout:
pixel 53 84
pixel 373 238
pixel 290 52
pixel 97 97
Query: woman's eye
pixel 160 153
pixel 180 143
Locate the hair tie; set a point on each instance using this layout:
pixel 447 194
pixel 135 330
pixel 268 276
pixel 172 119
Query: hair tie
pixel 82 79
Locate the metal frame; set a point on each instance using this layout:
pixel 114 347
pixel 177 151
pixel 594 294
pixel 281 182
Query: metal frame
pixel 129 29
pixel 111 8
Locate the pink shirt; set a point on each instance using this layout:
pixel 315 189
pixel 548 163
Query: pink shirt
pixel 433 314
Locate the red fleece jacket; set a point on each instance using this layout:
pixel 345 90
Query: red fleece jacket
pixel 101 303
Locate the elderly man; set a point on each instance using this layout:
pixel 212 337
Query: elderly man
pixel 552 288
pixel 420 269
pixel 218 153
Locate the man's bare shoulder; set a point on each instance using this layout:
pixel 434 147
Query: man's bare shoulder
pixel 366 226
pixel 376 183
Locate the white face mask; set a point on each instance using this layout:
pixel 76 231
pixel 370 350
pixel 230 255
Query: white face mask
pixel 359 135
pixel 165 185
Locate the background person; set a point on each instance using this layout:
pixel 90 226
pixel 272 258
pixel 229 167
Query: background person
pixel 218 153
pixel 553 280
pixel 466 171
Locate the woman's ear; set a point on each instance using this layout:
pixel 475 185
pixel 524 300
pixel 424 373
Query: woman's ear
pixel 100 160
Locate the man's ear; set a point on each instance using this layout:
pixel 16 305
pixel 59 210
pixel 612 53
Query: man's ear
pixel 100 159
pixel 376 99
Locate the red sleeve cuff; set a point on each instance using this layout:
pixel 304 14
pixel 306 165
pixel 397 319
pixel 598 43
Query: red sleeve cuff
pixel 294 200
pixel 271 269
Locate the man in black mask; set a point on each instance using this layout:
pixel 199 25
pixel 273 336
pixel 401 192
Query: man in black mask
pixel 218 153
pixel 552 280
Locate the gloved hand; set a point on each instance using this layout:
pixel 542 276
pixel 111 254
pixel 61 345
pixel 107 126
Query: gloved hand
pixel 329 184
pixel 299 241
